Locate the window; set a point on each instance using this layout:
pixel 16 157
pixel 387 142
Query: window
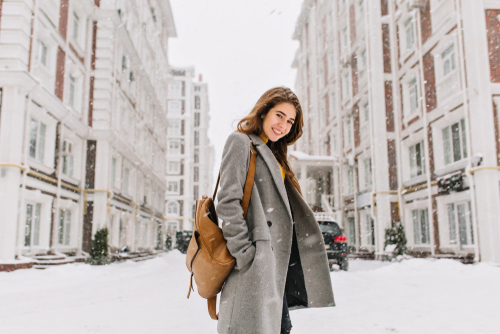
pixel 352 231
pixel 67 158
pixel 350 181
pixel 197 102
pixel 175 89
pixel 454 142
pixel 196 192
pixel 334 143
pixel 421 226
pixel 126 175
pixel 42 53
pixel 196 155
pixel 196 119
pixel 410 34
pixel 37 140
pixel 173 187
pixel 174 128
pixel 413 92
pixel 76 23
pixel 448 58
pixel 64 228
pixel 125 62
pixel 368 172
pixel 367 111
pixel 346 86
pixel 460 220
pixel 122 229
pixel 173 208
pixel 370 230
pixel 71 99
pixel 113 171
pixel 345 33
pixel 197 88
pixel 172 227
pixel 196 176
pixel 363 60
pixel 196 138
pixel 173 167
pixel 349 132
pixel 417 159
pixel 174 147
pixel 32 225
pixel 174 108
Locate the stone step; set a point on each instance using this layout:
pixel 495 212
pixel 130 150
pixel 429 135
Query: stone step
pixel 54 262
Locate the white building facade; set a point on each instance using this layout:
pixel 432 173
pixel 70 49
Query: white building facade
pixel 82 125
pixel 401 95
pixel 190 155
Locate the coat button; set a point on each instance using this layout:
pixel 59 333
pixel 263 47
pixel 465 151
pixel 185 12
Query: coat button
pixel 269 224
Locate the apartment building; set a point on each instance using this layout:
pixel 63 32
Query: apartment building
pixel 190 156
pixel 401 96
pixel 83 121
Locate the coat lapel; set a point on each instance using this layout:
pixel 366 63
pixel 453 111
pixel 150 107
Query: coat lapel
pixel 273 166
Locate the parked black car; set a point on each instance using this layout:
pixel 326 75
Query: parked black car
pixel 335 243
pixel 182 239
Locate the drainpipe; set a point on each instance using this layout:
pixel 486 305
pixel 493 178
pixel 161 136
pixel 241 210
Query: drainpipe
pixel 340 137
pixel 396 105
pixel 372 137
pixel 426 131
pixel 20 224
pixel 88 46
pixel 470 175
pixel 61 135
pixel 353 139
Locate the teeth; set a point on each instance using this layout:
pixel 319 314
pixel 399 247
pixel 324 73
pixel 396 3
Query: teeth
pixel 277 132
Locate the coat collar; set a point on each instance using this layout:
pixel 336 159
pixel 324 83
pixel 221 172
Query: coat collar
pixel 273 166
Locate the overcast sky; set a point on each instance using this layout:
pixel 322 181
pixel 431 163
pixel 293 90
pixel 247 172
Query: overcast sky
pixel 241 47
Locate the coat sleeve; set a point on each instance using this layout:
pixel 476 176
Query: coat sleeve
pixel 234 167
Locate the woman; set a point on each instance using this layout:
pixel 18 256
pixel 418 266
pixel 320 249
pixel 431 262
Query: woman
pixel 269 275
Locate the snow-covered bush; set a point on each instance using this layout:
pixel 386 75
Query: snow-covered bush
pixel 395 240
pixel 99 248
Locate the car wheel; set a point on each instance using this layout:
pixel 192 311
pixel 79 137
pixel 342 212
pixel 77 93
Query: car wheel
pixel 344 265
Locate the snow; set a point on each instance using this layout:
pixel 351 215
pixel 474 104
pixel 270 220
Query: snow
pixel 412 296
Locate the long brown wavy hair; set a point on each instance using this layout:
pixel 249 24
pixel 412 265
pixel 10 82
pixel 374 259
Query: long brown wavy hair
pixel 252 123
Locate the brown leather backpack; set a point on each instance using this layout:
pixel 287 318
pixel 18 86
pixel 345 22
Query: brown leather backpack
pixel 208 258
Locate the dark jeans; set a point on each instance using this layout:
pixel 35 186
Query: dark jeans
pixel 286 323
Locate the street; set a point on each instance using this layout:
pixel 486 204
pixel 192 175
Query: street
pixel 415 296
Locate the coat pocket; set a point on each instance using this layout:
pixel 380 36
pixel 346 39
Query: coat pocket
pixel 260 233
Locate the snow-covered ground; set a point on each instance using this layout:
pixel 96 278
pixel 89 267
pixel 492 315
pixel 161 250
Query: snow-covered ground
pixel 414 296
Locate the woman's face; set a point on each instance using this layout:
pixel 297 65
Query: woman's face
pixel 278 121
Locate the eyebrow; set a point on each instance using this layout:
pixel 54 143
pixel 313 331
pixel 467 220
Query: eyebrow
pixel 281 112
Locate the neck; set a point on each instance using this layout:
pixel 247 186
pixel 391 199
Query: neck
pixel 263 137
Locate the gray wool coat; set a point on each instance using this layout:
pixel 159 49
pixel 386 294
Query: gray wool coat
pixel 252 297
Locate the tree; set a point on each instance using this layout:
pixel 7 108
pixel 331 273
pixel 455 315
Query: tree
pixel 99 248
pixel 396 236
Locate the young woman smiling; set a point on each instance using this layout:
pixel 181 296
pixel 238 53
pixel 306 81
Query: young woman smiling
pixel 280 255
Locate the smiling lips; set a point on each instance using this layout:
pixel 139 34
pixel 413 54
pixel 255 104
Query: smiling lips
pixel 277 132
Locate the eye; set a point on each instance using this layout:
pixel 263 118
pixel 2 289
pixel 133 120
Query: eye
pixel 279 115
pixel 290 122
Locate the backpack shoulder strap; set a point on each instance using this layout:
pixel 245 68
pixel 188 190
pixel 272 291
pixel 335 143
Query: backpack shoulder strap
pixel 247 190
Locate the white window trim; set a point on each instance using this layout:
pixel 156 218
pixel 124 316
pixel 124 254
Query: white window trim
pixel 40 115
pixel 444 229
pixel 438 145
pixel 411 141
pixel 74 208
pixel 36 196
pixel 176 203
pixel 415 205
